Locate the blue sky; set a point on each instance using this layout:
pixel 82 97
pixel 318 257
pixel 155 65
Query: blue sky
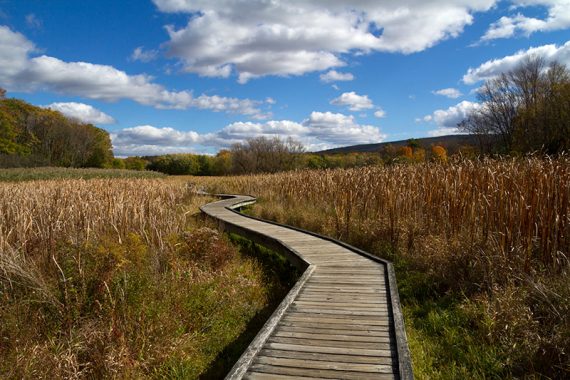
pixel 165 76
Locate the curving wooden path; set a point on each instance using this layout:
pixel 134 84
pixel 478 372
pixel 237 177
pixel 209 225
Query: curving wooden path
pixel 341 320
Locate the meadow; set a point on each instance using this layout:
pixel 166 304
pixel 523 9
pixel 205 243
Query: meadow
pixel 116 278
pixel 481 250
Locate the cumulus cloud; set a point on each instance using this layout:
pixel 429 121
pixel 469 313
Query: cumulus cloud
pixel 335 76
pixel 21 72
pixel 255 38
pixel 353 101
pixel 337 129
pixel 142 55
pixel 557 18
pixel 446 120
pixel 451 93
pixel 82 112
pixel 494 67
pixel 321 130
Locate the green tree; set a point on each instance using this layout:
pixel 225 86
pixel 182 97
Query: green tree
pixel 176 164
pixel 135 163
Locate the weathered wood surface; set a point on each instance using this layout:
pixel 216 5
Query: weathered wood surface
pixel 342 320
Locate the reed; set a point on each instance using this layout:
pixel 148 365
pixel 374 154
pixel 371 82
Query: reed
pixel 113 278
pixel 517 208
pixel 492 234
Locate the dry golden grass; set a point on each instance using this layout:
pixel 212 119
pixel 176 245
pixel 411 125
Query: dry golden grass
pixel 517 211
pixel 493 234
pixel 107 278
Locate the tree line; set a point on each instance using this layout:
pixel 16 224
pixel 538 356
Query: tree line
pixel 271 155
pixel 35 136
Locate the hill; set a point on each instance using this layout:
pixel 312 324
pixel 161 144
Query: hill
pixel 449 142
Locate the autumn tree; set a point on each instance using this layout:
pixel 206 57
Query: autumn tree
pixel 31 136
pixel 525 109
pixel 439 153
pixel 265 155
pixel 222 163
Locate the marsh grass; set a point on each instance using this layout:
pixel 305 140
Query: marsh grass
pixel 116 279
pixel 481 250
pixel 47 173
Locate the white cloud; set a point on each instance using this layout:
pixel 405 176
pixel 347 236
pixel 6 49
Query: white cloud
pixel 443 131
pixel 20 72
pixel 451 93
pixel 270 100
pixel 82 112
pixel 380 113
pixel 321 130
pixel 558 18
pixel 353 101
pixel 337 129
pixel 494 67
pixel 139 54
pixel 446 120
pixel 335 76
pixel 282 37
pixel 14 50
pixel 149 135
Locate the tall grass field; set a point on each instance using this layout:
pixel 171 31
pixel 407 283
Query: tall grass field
pixel 481 250
pixel 113 278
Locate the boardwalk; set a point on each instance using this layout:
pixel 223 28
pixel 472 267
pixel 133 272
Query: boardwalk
pixel 341 320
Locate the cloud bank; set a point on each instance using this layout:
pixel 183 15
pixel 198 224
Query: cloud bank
pixel 557 18
pixel 320 130
pixel 494 67
pixel 19 71
pixel 255 38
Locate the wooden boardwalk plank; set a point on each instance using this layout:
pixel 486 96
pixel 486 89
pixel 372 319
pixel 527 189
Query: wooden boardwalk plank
pixel 318 335
pixel 327 374
pixel 339 323
pixel 328 357
pixel 338 366
pixel 333 331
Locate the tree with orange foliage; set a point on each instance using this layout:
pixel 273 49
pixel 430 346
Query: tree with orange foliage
pixel 407 151
pixel 439 153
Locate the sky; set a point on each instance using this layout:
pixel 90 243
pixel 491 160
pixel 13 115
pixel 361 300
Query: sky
pixel 196 76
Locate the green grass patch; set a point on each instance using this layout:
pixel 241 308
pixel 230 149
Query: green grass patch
pixel 279 277
pixel 48 173
pixel 444 330
pixel 445 343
